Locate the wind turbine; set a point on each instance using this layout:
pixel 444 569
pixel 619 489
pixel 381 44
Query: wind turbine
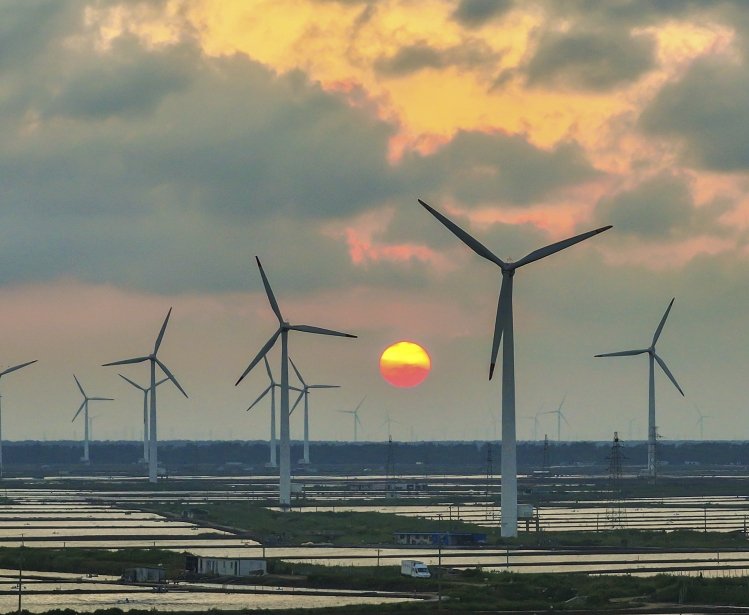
pixel 560 418
pixel 701 421
pixel 305 393
pixel 154 361
pixel 534 418
pixel 504 327
pixel 87 425
pixel 283 332
pixel 388 421
pixel 145 411
pixel 653 358
pixel 355 413
pixel 3 373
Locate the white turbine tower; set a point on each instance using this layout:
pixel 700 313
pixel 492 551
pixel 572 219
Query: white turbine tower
pixel 504 328
pixel 154 361
pixel 87 424
pixel 145 391
pixel 653 359
pixel 560 418
pixel 355 414
pixel 3 373
pixel 305 393
pixel 283 332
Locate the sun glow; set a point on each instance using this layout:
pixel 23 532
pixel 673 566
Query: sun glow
pixel 405 364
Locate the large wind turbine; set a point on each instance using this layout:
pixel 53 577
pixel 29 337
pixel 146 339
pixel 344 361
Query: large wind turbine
pixel 87 424
pixel 504 327
pixel 272 389
pixel 355 414
pixel 305 393
pixel 145 391
pixel 560 418
pixel 653 358
pixel 283 332
pixel 154 361
pixel 701 421
pixel 3 373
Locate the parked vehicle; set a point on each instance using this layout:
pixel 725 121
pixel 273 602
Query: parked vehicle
pixel 414 568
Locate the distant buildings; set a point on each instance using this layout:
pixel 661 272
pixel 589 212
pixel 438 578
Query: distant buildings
pixel 446 539
pixel 225 566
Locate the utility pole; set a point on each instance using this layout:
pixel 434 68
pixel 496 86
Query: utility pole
pixel 390 469
pixel 20 576
pixel 614 512
pixel 545 466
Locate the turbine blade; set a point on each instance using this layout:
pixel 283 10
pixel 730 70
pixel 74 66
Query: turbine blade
pixel 161 333
pixel 169 374
pixel 559 245
pixel 162 381
pixel 80 388
pixel 356 418
pixel 15 367
pixel 657 333
pixel 298 375
pixel 263 351
pixel 561 403
pixel 564 418
pixel 623 353
pixel 499 325
pixel 137 386
pixel 269 292
pixel 296 403
pixel 668 372
pixel 358 405
pixel 467 239
pixel 263 394
pixel 127 361
pixel 100 399
pixel 319 330
pixel 79 411
pixel 324 386
pixel 267 368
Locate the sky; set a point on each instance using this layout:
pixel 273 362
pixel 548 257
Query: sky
pixel 151 149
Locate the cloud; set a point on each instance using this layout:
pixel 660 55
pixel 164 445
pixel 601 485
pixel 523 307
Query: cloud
pixel 422 56
pixel 475 13
pixel 478 167
pixel 595 61
pixel 708 110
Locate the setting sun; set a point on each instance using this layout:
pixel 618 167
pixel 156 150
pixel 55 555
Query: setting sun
pixel 405 364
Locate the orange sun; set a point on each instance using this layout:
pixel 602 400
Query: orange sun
pixel 405 364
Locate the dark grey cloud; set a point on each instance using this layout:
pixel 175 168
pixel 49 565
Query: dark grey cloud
pixel 661 208
pixel 708 109
pixel 475 13
pixel 421 56
pixel 476 167
pixel 598 60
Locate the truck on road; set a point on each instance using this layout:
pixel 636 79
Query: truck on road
pixel 414 568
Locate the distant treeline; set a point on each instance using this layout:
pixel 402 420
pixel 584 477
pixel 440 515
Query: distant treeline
pixel 373 456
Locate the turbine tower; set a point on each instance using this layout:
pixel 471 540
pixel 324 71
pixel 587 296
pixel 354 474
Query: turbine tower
pixel 653 359
pixel 283 332
pixel 355 413
pixel 145 411
pixel 560 418
pixel 504 327
pixel 87 424
pixel 305 393
pixel 3 373
pixel 154 361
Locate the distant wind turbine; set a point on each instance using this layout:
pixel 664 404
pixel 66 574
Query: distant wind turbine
pixel 305 393
pixel 3 373
pixel 388 421
pixel 86 423
pixel 504 327
pixel 145 391
pixel 283 332
pixel 153 460
pixel 560 418
pixel 701 421
pixel 355 414
pixel 653 358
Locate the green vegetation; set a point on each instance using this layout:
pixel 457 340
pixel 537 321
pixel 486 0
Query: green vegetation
pixel 95 561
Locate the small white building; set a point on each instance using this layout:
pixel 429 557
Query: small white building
pixel 144 574
pixel 231 566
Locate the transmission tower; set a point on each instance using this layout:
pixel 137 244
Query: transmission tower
pixel 390 469
pixel 614 512
pixel 545 465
